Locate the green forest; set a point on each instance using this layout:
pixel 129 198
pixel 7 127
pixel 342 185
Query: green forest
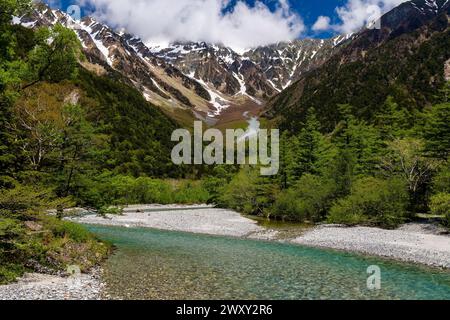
pixel 380 173
pixel 71 138
pixel 66 136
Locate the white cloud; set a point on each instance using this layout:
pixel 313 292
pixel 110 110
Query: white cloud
pixel 322 24
pixel 165 21
pixel 355 14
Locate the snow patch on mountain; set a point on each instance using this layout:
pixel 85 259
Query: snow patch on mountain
pixel 218 102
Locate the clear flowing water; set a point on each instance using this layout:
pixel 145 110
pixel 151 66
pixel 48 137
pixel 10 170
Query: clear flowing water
pixel 154 264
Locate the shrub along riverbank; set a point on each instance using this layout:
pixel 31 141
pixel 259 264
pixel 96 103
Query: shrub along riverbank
pixel 31 240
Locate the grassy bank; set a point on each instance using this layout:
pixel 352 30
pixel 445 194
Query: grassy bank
pixel 33 241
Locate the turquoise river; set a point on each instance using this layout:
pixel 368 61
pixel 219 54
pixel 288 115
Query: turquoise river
pixel 154 264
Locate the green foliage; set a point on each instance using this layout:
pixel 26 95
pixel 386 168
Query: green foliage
pixel 12 71
pixel 405 158
pixel 55 57
pixel 63 229
pixel 249 192
pixel 372 202
pixel 437 131
pixel 309 200
pixel 341 171
pixel 9 229
pixel 241 193
pixel 190 192
pixel 106 189
pixel 140 134
pixel 57 245
pixel 21 244
pixel 394 121
pixel 441 181
pixel 360 141
pixel 10 272
pixel 24 201
pixel 440 201
pixel 375 172
pixel 307 152
pixel 8 8
pixel 219 177
pixel 27 59
pixel 440 204
pixel 11 232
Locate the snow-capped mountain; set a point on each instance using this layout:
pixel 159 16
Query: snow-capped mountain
pixel 284 63
pixel 108 52
pixel 204 79
pixel 407 58
pixel 264 71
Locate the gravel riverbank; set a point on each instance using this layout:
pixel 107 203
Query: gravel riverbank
pixel 195 219
pixel 416 243
pixel 35 286
pixel 410 243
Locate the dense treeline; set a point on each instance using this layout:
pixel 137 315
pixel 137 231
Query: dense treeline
pixel 382 172
pixel 43 137
pixel 69 137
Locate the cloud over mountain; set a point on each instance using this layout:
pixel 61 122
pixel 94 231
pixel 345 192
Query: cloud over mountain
pixel 237 25
pixel 355 14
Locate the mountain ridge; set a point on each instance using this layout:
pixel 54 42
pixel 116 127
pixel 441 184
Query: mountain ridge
pixel 404 59
pixel 194 80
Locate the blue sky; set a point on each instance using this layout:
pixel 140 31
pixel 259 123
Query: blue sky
pixel 309 10
pixel 238 23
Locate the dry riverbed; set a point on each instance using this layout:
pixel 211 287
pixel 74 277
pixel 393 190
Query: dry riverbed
pixel 195 219
pixel 417 243
pixel 410 243
pixel 35 286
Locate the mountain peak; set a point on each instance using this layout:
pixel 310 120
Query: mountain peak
pixel 204 78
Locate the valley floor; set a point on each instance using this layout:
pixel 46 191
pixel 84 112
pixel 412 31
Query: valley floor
pixel 415 243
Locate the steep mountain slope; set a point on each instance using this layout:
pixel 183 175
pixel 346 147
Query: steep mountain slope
pixel 192 80
pixel 108 52
pixel 82 122
pixel 285 62
pixel 259 72
pixel 406 59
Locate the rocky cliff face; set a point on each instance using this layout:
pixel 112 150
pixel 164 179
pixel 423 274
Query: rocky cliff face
pixel 261 72
pixel 406 59
pixel 203 79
